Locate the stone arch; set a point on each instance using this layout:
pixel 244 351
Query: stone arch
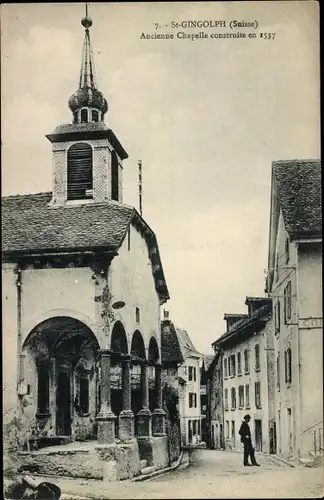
pixel 153 351
pixel 54 330
pixel 68 313
pixel 118 341
pixel 137 346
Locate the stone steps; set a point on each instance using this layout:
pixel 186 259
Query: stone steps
pixel 143 463
pixel 148 470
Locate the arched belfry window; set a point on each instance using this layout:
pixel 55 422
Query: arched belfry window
pixel 79 172
pixel 94 115
pixel 114 176
pixel 84 116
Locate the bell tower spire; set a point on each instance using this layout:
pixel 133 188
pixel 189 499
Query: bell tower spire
pixel 87 103
pixel 87 156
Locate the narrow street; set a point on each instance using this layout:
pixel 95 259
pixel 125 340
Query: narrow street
pixel 213 474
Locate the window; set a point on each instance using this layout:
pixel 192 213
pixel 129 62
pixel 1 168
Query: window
pixel 192 373
pixel 233 432
pixel 137 315
pixel 257 357
pixel 287 302
pixel 257 390
pixel 287 250
pixel 79 172
pixel 114 177
pixel 192 400
pixel 277 268
pixel 84 116
pixel 43 389
pixel 239 367
pixel 277 317
pixel 226 399
pixel 227 429
pixel 247 396
pixel 288 366
pixel 94 115
pixel 241 396
pixel 233 398
pixel 278 371
pixel 246 361
pixel 225 367
pixel 84 394
pixel 232 366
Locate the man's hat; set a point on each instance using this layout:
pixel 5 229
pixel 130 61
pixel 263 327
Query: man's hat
pixel 247 417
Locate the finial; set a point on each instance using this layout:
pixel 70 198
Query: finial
pixel 86 21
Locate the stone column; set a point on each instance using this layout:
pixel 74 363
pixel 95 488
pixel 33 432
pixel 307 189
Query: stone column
pixel 144 416
pixel 126 417
pixel 159 415
pixel 105 418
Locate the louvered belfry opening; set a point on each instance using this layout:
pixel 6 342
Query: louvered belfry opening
pixel 114 176
pixel 79 172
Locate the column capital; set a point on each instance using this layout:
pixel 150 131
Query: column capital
pixel 103 352
pixel 125 358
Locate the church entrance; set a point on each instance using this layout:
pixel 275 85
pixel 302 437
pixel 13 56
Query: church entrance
pixel 63 404
pixel 61 370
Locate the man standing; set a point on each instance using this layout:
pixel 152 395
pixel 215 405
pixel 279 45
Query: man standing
pixel 245 433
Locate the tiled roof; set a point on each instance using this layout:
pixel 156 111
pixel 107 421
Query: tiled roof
pixel 30 225
pixel 186 345
pixel 298 184
pixel 243 323
pixel 93 130
pixel 170 347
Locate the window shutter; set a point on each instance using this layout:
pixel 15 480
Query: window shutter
pixel 79 172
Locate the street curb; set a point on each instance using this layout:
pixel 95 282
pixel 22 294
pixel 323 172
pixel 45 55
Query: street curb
pixel 277 459
pixel 160 472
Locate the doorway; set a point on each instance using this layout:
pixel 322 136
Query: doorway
pixel 258 435
pixel 63 404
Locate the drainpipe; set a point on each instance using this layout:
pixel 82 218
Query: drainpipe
pixel 299 434
pixel 21 376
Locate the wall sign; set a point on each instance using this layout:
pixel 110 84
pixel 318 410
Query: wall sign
pixel 310 323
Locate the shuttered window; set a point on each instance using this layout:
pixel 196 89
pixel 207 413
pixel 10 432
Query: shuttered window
pixel 79 172
pixel 114 176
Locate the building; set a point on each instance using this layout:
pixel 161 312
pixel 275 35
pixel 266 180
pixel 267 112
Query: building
pixel 188 384
pixel 83 284
pixel 248 367
pixel 213 423
pixel 295 284
pixel 204 397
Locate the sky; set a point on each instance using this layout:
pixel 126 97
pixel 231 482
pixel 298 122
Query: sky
pixel 207 117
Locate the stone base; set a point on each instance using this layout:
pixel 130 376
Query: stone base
pixel 159 422
pixel 154 450
pixel 106 428
pixel 144 423
pixel 126 425
pixel 108 462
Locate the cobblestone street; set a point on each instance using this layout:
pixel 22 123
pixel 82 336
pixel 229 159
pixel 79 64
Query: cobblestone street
pixel 213 474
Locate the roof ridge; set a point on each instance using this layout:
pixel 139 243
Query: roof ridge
pixel 20 195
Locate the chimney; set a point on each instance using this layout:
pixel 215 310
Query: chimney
pixel 165 314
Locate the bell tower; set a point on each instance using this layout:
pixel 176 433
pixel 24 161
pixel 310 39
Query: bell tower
pixel 87 156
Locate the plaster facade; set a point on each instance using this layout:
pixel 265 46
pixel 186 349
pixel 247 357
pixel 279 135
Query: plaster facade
pixel 244 381
pixel 298 329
